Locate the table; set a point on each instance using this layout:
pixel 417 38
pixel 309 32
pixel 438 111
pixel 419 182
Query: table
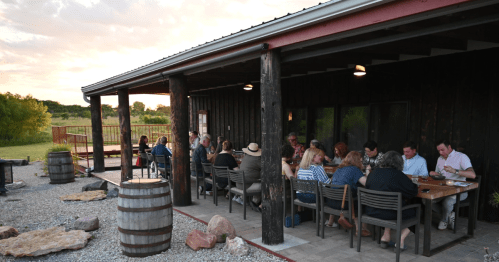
pixel 439 189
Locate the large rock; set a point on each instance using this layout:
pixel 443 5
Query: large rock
pixel 6 232
pixel 113 193
pixel 198 239
pixel 85 196
pixel 222 228
pixel 41 242
pixel 86 223
pixel 100 185
pixel 15 185
pixel 236 247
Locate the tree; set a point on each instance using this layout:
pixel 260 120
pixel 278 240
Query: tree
pixel 22 117
pixel 65 116
pixel 138 108
pixel 164 110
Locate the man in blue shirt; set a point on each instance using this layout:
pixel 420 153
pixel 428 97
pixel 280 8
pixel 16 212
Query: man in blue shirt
pixel 162 150
pixel 199 156
pixel 414 164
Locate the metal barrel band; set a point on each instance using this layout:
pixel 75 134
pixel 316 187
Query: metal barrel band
pixel 144 196
pixel 146 245
pixel 144 186
pixel 144 209
pixel 150 232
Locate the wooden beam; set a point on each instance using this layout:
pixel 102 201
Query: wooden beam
pixel 180 128
pixel 271 126
pixel 125 135
pixel 97 138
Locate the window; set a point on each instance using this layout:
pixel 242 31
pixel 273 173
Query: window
pixel 324 128
pixel 202 122
pixel 354 126
pixel 295 120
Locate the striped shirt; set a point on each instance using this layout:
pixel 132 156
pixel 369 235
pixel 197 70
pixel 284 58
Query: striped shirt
pixel 456 160
pixel 313 173
pixel 415 166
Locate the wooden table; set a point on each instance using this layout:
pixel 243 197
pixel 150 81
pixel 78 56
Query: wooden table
pixel 438 189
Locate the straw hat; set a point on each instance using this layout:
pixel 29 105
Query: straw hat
pixel 253 150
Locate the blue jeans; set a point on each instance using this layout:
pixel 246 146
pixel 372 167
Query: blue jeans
pixel 444 206
pixel 306 197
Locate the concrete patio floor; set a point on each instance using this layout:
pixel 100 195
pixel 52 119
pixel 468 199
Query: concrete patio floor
pixel 302 244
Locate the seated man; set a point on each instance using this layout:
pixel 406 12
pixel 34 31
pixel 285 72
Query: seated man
pixel 372 157
pixel 194 140
pixel 453 165
pixel 162 150
pixel 198 157
pixel 414 164
pixel 299 148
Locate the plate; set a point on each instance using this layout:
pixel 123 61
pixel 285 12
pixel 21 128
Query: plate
pixel 438 177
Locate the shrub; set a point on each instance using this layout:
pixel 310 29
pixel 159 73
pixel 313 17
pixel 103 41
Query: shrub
pixel 148 119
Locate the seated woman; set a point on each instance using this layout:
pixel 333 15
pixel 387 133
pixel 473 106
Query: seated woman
pixel 225 158
pixel 390 178
pixel 349 173
pixel 316 144
pixel 311 170
pixel 286 155
pixel 251 164
pixel 340 152
pixel 143 144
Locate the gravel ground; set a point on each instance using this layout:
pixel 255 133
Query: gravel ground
pixel 37 206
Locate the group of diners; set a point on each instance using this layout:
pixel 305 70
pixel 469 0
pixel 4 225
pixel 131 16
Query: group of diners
pixel 159 149
pixel 383 172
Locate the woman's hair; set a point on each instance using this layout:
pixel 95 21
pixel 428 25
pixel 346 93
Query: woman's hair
pixel 158 142
pixel 342 148
pixel 142 138
pixel 287 151
pixel 353 158
pixel 219 148
pixel 227 145
pixel 392 159
pixel 306 161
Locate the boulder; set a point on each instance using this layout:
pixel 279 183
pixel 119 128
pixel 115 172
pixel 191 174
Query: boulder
pixel 197 239
pixel 6 232
pixel 41 242
pixel 236 247
pixel 113 192
pixel 85 196
pixel 15 185
pixel 100 185
pixel 222 228
pixel 86 223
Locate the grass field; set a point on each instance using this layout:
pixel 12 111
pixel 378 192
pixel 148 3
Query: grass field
pixel 35 151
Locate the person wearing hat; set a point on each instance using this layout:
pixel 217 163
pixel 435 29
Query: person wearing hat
pixel 251 164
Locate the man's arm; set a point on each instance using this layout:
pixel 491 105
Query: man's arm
pixel 468 173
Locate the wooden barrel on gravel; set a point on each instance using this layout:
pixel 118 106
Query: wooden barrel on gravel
pixel 60 167
pixel 145 217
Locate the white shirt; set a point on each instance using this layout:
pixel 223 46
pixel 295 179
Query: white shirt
pixel 456 160
pixel 415 166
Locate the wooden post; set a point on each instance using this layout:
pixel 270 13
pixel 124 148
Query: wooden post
pixel 180 132
pixel 97 138
pixel 270 90
pixel 125 135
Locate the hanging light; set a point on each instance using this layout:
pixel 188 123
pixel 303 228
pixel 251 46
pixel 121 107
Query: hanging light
pixel 248 87
pixel 359 70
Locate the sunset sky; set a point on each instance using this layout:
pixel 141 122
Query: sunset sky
pixel 50 49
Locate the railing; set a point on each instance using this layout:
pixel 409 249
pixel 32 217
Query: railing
pixel 80 146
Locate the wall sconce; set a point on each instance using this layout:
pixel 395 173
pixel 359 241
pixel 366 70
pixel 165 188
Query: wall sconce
pixel 290 116
pixel 248 87
pixel 359 70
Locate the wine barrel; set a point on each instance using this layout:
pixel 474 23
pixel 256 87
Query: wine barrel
pixel 60 167
pixel 145 217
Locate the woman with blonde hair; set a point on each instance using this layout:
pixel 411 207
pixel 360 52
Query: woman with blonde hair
pixel 311 170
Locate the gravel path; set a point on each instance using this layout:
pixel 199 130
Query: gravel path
pixel 37 206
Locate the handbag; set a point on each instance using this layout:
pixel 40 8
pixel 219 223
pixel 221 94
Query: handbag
pixel 342 220
pixel 139 161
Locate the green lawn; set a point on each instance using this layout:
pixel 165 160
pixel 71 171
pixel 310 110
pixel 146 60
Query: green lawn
pixel 35 151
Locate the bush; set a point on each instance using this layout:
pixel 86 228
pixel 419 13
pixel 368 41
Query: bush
pixel 147 119
pixel 59 148
pixel 42 137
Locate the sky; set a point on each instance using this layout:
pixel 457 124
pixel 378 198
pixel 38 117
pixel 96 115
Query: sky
pixel 52 48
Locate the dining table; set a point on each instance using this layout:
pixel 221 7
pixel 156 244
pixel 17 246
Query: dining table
pixel 439 189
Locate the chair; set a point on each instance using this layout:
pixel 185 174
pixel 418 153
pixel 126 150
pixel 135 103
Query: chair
pixel 161 159
pixel 208 169
pixel 238 177
pixel 150 159
pixel 219 172
pixel 466 203
pixel 304 186
pixel 390 201
pixel 145 160
pixel 335 192
pixel 198 179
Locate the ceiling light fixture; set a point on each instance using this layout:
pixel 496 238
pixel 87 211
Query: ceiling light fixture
pixel 359 70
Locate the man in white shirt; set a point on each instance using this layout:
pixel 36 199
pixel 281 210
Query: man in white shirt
pixel 453 165
pixel 414 164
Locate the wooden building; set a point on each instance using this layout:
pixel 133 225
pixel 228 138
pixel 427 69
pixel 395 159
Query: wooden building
pixel 431 74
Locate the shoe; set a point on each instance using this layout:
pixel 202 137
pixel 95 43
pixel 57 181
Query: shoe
pixel 401 249
pixel 333 225
pixel 365 233
pixel 200 190
pixel 255 207
pixel 209 193
pixel 452 220
pixel 240 201
pixel 442 225
pixel 388 244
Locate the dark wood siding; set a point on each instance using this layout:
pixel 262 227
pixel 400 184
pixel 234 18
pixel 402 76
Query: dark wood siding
pixel 453 97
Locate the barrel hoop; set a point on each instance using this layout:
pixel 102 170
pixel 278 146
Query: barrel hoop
pixel 144 196
pixel 144 209
pixel 144 186
pixel 150 232
pixel 128 254
pixel 147 245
